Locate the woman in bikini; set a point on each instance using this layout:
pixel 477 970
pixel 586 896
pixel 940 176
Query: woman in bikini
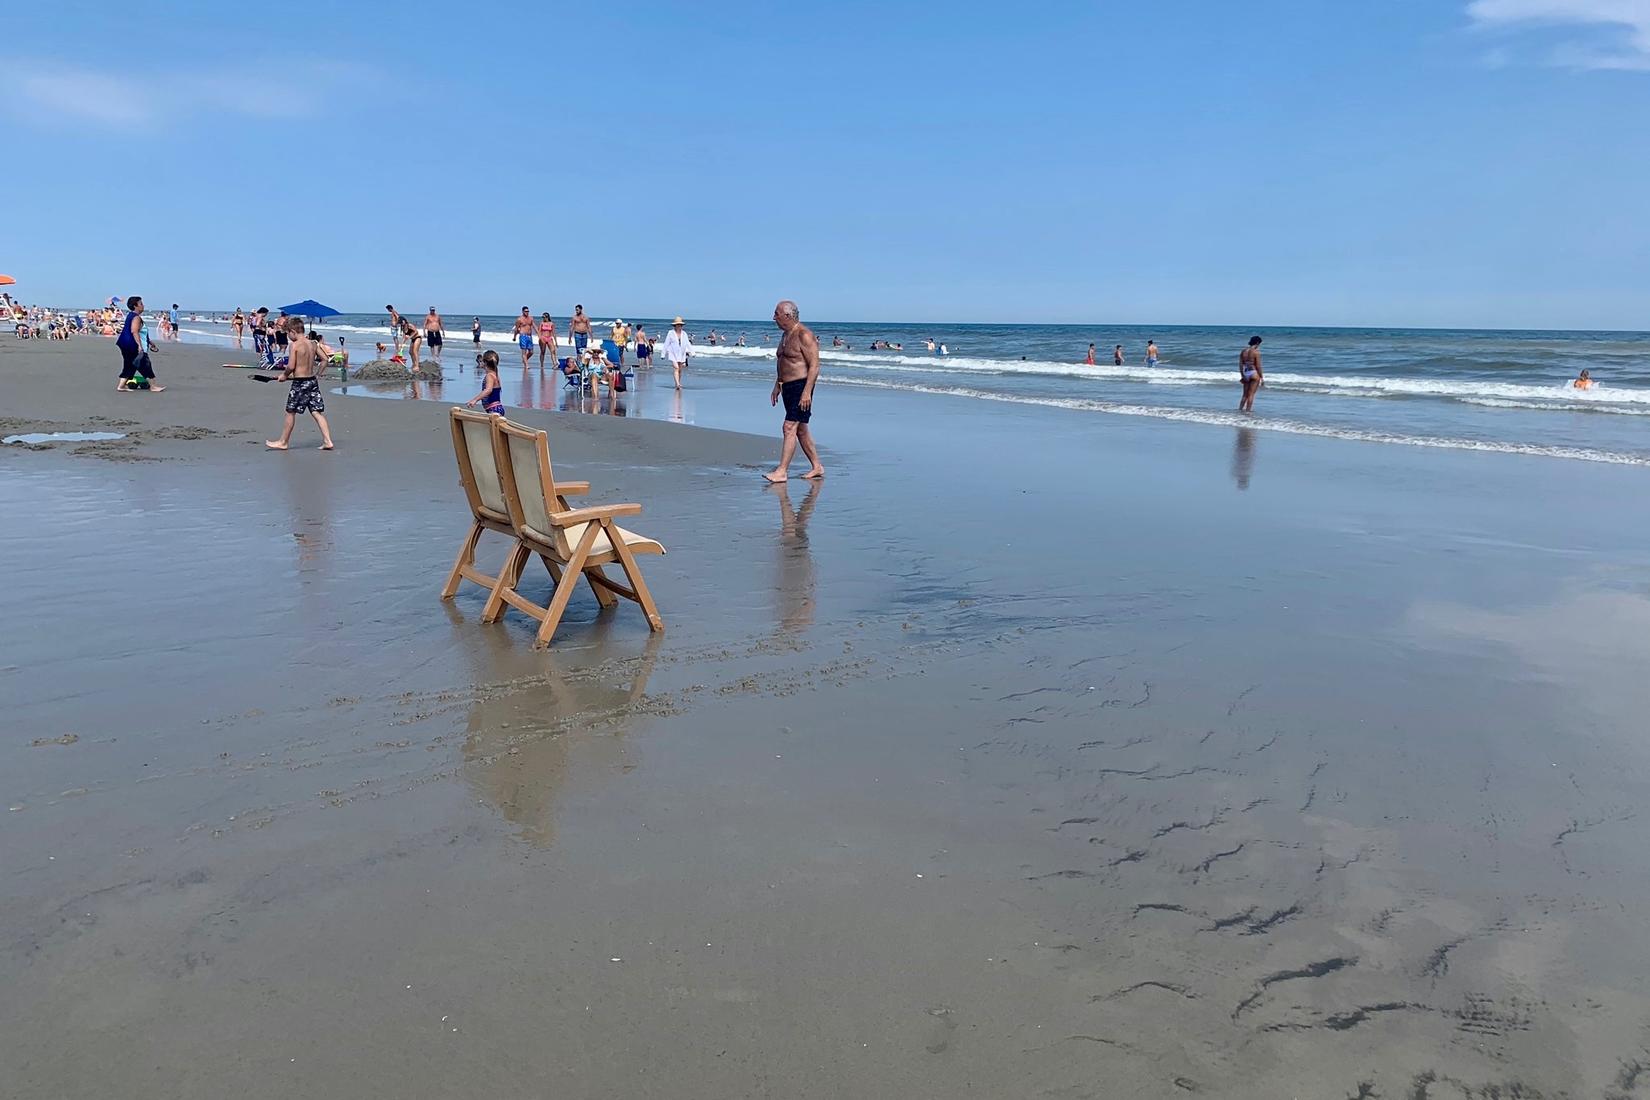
pixel 413 338
pixel 1249 372
pixel 547 338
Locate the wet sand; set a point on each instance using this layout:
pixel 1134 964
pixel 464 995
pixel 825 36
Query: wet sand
pixel 1032 755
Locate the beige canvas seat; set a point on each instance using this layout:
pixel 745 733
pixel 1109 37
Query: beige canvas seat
pixel 478 474
pixel 572 542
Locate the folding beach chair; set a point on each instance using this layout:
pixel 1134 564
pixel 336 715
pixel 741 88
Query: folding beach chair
pixel 478 473
pixel 571 542
pixel 574 377
pixel 614 352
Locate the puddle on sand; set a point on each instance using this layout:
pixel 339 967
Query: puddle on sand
pixel 63 437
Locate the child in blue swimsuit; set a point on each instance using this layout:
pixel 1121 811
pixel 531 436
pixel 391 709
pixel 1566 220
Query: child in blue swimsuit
pixel 489 397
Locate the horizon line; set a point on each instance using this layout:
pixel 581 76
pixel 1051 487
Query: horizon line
pixel 1166 325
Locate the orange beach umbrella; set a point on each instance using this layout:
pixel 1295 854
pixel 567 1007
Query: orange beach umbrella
pixel 7 280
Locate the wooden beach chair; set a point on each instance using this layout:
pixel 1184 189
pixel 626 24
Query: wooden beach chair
pixel 571 542
pixel 478 474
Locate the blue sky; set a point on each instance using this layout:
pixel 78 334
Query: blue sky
pixel 1425 162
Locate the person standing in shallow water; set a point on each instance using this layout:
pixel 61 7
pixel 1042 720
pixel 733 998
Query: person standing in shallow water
pixel 435 333
pixel 1250 374
pixel 798 358
pixel 491 395
pixel 579 326
pixel 524 337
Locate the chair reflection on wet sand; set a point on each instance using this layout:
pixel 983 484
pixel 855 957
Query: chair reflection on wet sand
pixel 572 542
pixel 489 509
pixel 528 737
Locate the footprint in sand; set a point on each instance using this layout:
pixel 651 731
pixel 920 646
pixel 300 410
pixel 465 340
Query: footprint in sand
pixel 939 1031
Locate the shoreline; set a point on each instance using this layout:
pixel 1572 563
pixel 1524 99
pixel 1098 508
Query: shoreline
pixel 1172 759
pixel 1506 398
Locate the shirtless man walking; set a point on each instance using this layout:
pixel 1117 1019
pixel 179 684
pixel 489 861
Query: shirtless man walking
pixel 798 358
pixel 579 326
pixel 524 336
pixel 435 333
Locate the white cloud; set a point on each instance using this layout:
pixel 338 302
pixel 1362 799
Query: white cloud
pixel 1620 29
pixel 53 93
pixel 83 95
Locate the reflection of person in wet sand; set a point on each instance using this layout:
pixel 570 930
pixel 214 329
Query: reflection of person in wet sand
pixel 796 561
pixel 1243 457
pixel 798 358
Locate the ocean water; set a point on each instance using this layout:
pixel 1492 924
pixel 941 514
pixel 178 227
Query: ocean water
pixel 1494 391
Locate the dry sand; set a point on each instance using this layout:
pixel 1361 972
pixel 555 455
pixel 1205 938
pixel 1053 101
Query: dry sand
pixel 1083 776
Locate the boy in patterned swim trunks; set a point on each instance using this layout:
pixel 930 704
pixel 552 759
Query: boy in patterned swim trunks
pixel 305 395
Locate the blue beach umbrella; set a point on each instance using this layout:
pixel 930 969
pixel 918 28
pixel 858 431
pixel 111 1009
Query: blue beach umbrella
pixel 309 307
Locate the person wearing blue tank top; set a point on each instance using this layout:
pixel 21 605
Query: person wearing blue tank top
pixel 134 358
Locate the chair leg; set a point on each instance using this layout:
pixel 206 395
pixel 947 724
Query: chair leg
pixel 603 596
pixel 508 577
pixel 564 590
pixel 466 556
pixel 634 573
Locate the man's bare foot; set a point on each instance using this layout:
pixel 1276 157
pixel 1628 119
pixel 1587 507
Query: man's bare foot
pixel 775 478
pixel 815 474
pixel 327 446
pixel 275 444
pixel 157 389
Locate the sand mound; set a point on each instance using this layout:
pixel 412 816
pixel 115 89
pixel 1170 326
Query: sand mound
pixel 382 370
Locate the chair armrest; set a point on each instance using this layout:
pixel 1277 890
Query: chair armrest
pixel 600 511
pixel 572 488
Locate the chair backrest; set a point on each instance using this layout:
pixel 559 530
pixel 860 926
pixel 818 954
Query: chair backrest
pixel 523 458
pixel 477 466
